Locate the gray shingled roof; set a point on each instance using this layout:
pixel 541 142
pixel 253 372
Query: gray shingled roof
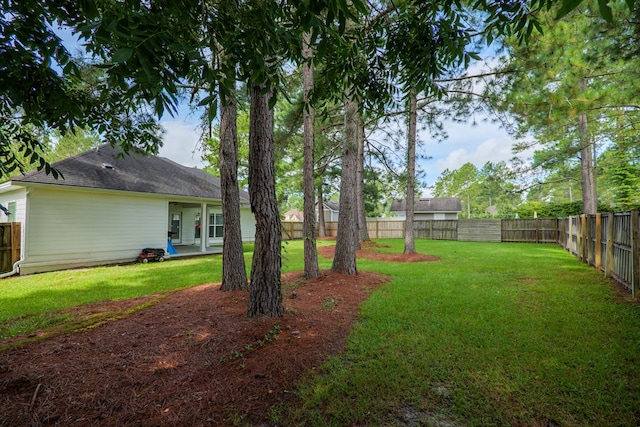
pixel 334 206
pixel 443 204
pixel 101 168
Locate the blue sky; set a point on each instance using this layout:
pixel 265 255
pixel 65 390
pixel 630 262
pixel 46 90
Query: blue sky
pixel 477 144
pixel 466 143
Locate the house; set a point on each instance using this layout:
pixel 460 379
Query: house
pixel 293 215
pixel 331 211
pixel 429 208
pixel 109 207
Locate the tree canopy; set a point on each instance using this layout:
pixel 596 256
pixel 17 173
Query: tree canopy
pixel 572 91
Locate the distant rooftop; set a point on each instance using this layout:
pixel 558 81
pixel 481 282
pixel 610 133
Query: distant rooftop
pixel 439 204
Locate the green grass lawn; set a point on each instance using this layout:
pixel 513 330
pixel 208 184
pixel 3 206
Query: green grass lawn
pixel 493 334
pixel 30 302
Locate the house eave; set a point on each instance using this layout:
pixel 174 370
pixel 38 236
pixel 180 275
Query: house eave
pixel 8 186
pixel 173 197
pixel 432 212
pixel 426 212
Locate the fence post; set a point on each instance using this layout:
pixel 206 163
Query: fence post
pixel 608 267
pixel 583 238
pixel 588 234
pixel 598 247
pixel 635 253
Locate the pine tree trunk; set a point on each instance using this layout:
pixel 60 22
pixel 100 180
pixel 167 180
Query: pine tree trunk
pixel 409 244
pixel 363 233
pixel 265 293
pixel 234 274
pixel 322 227
pixel 311 269
pixel 589 194
pixel 589 202
pixel 344 260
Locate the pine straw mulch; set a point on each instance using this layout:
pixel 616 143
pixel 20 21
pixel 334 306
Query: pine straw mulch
pixel 187 358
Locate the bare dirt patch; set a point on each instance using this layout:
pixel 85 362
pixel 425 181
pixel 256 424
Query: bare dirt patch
pixel 188 358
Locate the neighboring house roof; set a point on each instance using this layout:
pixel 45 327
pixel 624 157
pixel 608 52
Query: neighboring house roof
pixel 443 204
pixel 334 206
pixel 293 215
pixel 103 168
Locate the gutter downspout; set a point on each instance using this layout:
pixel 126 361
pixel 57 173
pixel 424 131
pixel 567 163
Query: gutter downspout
pixel 16 269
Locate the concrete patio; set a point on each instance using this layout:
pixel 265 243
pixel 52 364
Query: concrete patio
pixel 194 250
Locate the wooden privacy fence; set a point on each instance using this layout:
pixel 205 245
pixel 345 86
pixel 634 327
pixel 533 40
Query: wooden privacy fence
pixel 538 230
pixel 9 245
pixel 445 229
pixel 378 229
pixel 609 242
pixel 479 230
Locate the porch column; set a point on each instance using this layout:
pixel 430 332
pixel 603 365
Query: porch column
pixel 204 227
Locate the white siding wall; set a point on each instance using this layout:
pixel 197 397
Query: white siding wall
pixel 248 224
pixel 69 227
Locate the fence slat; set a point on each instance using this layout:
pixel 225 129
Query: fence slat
pixel 597 243
pixel 635 254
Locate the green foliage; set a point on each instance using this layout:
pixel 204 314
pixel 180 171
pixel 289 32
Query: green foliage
pixel 580 68
pixel 555 210
pixel 372 194
pixel 491 186
pixel 145 53
pixel 268 338
pixel 45 88
pixel 72 143
pixel 212 146
pixel 620 175
pixel 549 210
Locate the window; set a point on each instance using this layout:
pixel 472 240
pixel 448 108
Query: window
pixel 197 225
pixel 215 225
pixel 12 211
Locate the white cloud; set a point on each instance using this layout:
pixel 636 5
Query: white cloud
pixel 181 143
pixel 490 150
pixel 478 144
